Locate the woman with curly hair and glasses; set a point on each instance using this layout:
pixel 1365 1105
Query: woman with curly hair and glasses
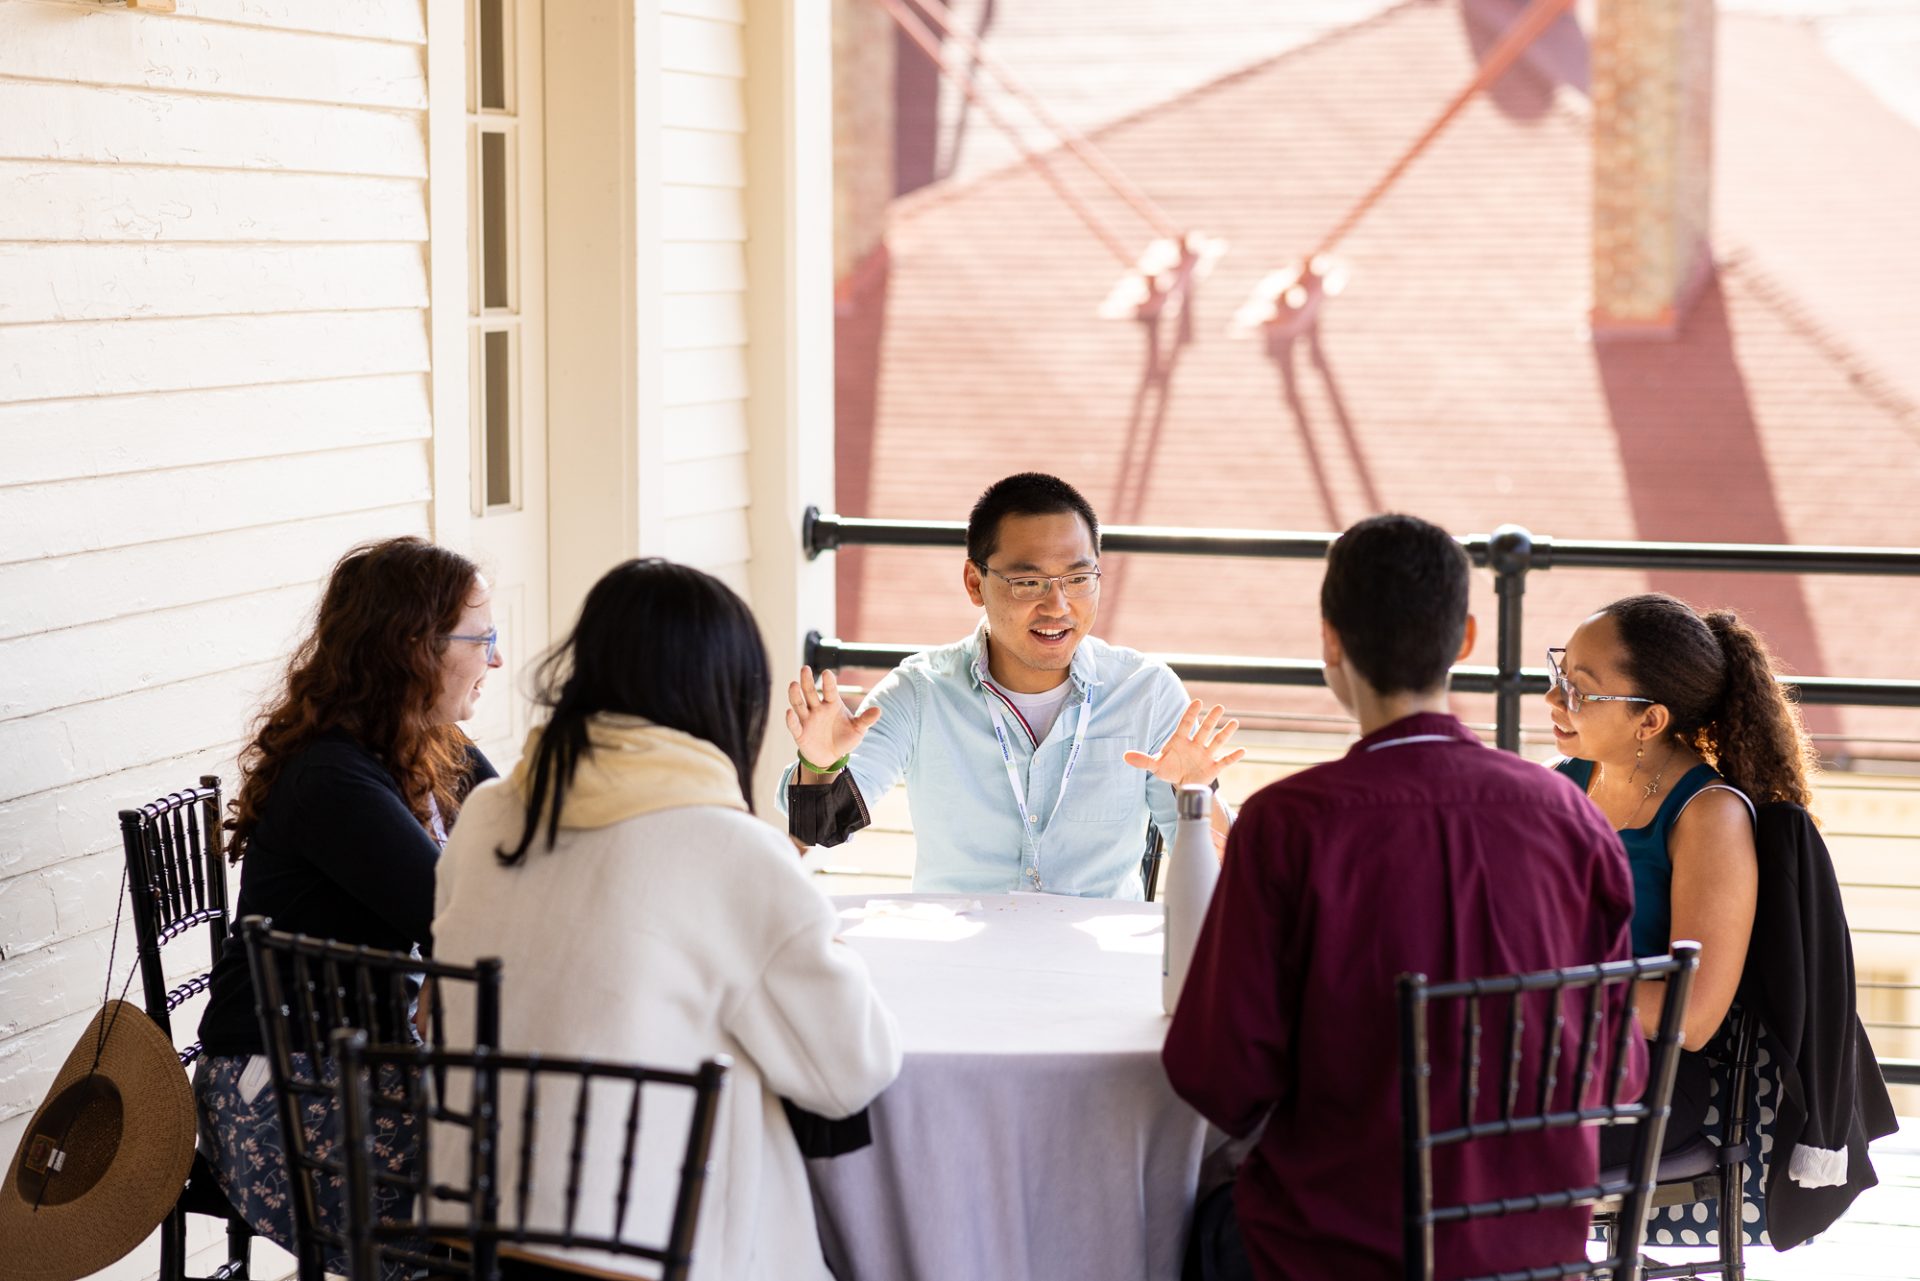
pixel 1674 725
pixel 348 788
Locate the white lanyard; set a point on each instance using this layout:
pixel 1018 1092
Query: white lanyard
pixel 1030 820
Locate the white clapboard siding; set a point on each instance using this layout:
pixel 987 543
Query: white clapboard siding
pixel 704 320
pixel 734 575
pixel 75 743
pixel 67 974
pixel 35 986
pixel 705 431
pixel 90 587
pixel 31 1063
pixel 694 489
pixel 99 660
pixel 716 538
pixel 702 102
pixel 704 268
pixel 47 828
pixel 112 126
pixel 367 19
pixel 703 158
pixel 115 358
pixel 734 11
pixel 131 202
pixel 701 46
pixel 703 376
pixel 117 511
pixel 38 909
pixel 53 440
pixel 215 377
pixel 82 44
pixel 53 281
pixel 704 383
pixel 703 214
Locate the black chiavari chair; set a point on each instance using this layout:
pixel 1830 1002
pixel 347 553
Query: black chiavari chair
pixel 484 1213
pixel 177 883
pixel 308 989
pixel 1559 1096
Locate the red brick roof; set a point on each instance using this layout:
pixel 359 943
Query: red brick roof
pixel 1454 378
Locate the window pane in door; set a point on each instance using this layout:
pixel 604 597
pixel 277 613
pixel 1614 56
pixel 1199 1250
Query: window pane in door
pixel 493 55
pixel 497 424
pixel 495 262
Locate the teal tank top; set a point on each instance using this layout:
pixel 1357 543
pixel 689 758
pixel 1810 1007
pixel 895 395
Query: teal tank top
pixel 1647 855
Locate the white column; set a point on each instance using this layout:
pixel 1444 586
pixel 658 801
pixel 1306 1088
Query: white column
pixel 790 322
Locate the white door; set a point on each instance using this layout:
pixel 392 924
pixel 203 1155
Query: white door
pixel 507 350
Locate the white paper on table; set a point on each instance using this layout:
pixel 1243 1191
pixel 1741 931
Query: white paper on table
pixel 918 920
pixel 1137 932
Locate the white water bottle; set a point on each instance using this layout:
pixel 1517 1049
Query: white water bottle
pixel 1192 869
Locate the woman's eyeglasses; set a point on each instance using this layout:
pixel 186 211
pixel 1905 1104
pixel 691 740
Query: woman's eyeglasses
pixel 1575 699
pixel 490 638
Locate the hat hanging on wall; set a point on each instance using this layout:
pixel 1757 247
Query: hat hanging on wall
pixel 105 1156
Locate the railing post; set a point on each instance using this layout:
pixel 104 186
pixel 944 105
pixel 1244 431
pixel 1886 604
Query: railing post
pixel 1510 556
pixel 808 520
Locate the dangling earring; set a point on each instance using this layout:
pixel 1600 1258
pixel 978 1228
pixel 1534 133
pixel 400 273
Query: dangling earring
pixel 1638 752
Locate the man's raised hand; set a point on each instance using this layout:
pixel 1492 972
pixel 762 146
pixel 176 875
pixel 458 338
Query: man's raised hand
pixel 822 727
pixel 1197 753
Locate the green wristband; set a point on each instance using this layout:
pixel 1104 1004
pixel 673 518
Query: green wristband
pixel 834 768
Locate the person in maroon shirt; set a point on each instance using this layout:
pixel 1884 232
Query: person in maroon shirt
pixel 1421 850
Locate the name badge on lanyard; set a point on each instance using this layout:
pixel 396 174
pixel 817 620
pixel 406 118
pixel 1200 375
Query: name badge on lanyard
pixel 1030 824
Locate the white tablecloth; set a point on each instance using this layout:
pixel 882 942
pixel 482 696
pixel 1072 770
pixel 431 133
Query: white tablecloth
pixel 1032 1132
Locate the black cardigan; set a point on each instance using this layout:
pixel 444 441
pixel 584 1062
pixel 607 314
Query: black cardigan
pixel 337 854
pixel 1800 976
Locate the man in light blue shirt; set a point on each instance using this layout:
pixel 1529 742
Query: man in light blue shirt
pixel 1021 746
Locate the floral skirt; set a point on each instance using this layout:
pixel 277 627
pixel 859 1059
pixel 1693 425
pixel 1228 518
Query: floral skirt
pixel 240 1134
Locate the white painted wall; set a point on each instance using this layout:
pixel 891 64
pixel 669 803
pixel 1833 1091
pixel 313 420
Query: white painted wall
pixel 214 377
pixel 218 360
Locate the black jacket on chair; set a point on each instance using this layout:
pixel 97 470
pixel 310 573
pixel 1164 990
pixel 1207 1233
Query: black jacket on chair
pixel 1799 975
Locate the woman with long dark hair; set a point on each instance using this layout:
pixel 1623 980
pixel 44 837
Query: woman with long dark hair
pixel 643 914
pixel 1675 726
pixel 348 786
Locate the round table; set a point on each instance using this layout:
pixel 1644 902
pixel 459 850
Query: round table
pixel 1032 1132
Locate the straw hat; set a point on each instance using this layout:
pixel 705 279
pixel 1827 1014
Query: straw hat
pixel 105 1156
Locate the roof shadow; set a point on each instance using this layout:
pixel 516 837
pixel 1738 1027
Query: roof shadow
pixel 1690 452
pixel 1558 56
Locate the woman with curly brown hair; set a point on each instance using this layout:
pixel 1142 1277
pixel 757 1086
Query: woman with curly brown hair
pixel 1675 727
pixel 347 791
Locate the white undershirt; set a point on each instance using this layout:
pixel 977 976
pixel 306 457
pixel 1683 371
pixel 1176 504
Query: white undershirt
pixel 1041 710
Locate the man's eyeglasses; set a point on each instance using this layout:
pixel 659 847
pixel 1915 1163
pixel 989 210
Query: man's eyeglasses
pixel 1575 699
pixel 1075 586
pixel 490 638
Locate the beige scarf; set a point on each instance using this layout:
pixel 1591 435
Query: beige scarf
pixel 634 767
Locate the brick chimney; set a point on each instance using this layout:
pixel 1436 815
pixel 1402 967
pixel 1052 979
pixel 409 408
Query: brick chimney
pixel 863 109
pixel 1652 67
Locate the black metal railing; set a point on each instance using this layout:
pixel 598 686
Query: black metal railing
pixel 1512 553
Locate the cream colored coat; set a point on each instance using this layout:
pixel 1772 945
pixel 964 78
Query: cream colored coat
pixel 666 939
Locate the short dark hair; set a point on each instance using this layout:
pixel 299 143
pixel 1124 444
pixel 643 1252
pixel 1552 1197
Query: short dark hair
pixel 657 640
pixel 1396 593
pixel 1031 493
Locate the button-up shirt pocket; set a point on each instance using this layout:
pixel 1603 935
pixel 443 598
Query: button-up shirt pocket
pixel 1104 788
